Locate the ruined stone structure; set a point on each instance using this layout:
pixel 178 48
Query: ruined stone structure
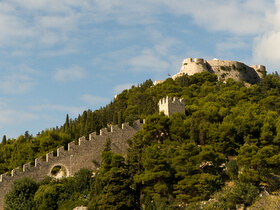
pixel 170 105
pixel 223 69
pixel 156 82
pixel 84 155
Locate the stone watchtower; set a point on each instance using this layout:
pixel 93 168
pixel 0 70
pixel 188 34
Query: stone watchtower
pixel 171 105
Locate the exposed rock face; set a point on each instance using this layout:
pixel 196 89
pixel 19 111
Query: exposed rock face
pixel 223 69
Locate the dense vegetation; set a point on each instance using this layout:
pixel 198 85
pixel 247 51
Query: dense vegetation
pixel 226 146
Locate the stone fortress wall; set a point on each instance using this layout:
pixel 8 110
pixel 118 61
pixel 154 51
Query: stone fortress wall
pixel 224 69
pixel 169 105
pixel 76 157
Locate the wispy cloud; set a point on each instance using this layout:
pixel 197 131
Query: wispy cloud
pixel 94 100
pixel 62 21
pixel 148 60
pixel 119 88
pixel 56 107
pixel 158 57
pixel 19 81
pixel 12 116
pixel 226 47
pixel 247 17
pixel 60 52
pixel 69 74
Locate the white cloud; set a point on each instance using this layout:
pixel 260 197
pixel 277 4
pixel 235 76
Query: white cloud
pixel 119 88
pixel 266 49
pixel 61 52
pixel 56 107
pixel 57 22
pixel 12 117
pixel 16 83
pixel 19 79
pixel 158 57
pixel 13 31
pixel 53 6
pixel 27 70
pixel 231 44
pixel 69 74
pixel 240 17
pixel 43 24
pixel 266 46
pixel 148 60
pixel 94 100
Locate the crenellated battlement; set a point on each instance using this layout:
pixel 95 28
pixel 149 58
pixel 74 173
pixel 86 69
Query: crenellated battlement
pixel 258 67
pixel 195 60
pixel 170 105
pixel 75 157
pixel 38 161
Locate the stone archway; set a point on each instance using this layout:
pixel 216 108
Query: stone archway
pixel 59 171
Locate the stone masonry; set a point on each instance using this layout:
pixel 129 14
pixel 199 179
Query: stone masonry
pixel 224 69
pixel 76 157
pixel 171 105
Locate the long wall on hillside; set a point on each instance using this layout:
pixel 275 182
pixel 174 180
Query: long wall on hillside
pixel 84 155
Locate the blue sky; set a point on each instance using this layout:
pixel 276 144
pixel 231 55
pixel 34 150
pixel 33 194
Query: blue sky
pixel 64 57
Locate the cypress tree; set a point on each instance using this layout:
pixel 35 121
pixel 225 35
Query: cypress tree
pixel 4 140
pixel 66 124
pixel 120 119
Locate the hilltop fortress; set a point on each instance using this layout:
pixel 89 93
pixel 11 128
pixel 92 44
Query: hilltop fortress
pixel 223 69
pixel 87 152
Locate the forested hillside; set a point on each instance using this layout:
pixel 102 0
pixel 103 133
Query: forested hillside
pixel 225 146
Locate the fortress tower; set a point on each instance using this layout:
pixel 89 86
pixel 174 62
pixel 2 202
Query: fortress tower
pixel 171 105
pixel 191 67
pixel 260 69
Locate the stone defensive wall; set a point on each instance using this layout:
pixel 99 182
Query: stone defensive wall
pixel 84 155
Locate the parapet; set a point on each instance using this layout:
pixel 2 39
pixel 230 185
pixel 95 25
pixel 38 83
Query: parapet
pixel 168 100
pixel 49 156
pixel 82 140
pixel 38 161
pixel 170 105
pixel 190 60
pixel 15 172
pixel 26 167
pixel 4 177
pixel 158 82
pixel 187 60
pixel 199 60
pixel 260 70
pixel 259 67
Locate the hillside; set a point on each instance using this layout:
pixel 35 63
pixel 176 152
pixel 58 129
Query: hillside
pixel 175 161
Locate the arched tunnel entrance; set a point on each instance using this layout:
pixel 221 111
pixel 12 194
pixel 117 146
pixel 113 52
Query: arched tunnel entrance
pixel 59 171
